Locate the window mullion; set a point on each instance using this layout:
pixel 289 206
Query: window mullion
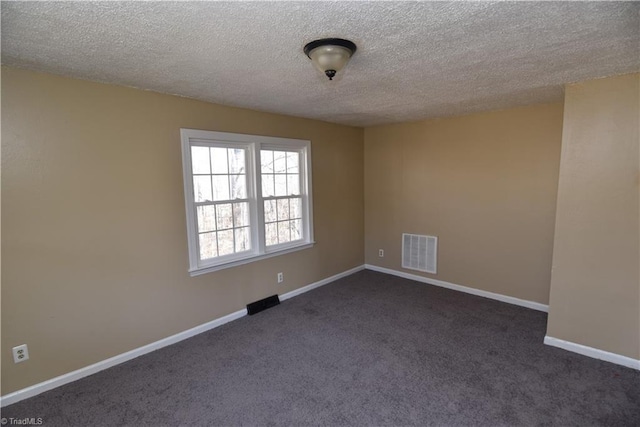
pixel 305 189
pixel 259 208
pixel 217 234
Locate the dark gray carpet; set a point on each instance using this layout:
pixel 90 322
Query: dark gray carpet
pixel 369 349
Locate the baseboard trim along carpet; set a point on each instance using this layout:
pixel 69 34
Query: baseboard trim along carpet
pixel 319 283
pixel 593 352
pixel 504 298
pixel 36 389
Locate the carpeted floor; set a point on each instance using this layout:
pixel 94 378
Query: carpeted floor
pixel 369 349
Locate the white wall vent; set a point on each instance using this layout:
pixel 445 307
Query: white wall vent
pixel 420 252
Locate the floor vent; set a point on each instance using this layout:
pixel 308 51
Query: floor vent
pixel 263 304
pixel 420 252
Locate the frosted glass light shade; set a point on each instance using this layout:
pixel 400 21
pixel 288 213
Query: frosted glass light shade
pixel 330 55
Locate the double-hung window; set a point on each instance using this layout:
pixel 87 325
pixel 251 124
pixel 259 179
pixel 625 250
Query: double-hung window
pixel 247 197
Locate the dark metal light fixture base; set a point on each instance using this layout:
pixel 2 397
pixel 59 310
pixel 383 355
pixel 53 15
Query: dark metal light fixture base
pixel 335 42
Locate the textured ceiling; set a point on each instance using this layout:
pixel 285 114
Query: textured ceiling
pixel 414 60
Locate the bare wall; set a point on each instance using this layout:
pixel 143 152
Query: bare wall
pixel 485 184
pixel 595 285
pixel 94 241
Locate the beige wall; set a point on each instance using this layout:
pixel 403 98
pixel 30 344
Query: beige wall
pixel 94 239
pixel 485 184
pixel 595 285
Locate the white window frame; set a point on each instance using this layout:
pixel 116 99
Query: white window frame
pixel 253 144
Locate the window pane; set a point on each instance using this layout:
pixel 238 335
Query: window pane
pixel 238 186
pixel 293 160
pixel 242 239
pixel 281 185
pixel 225 242
pixel 270 211
pixel 208 245
pixel 267 186
pixel 241 214
pixel 266 160
pixel 220 187
pixel 283 232
pixel 219 160
pixel 271 233
pixel 224 216
pixel 202 188
pixel 206 218
pixel 296 230
pixel 295 210
pixel 279 161
pixel 200 160
pixel 283 209
pixel 236 161
pixel 293 184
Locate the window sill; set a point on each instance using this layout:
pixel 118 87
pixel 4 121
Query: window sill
pixel 210 269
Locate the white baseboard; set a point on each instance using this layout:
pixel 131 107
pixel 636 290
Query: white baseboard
pixel 319 283
pixel 593 352
pixel 504 298
pixel 36 389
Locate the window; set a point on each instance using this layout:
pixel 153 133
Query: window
pixel 247 197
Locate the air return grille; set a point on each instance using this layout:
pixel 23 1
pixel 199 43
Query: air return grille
pixel 420 252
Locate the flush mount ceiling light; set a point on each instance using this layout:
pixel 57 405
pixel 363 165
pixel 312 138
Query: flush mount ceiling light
pixel 330 55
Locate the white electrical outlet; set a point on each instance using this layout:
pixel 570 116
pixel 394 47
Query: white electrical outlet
pixel 20 353
pixel 381 253
pixel 280 277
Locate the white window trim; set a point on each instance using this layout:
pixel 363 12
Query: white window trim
pixel 254 143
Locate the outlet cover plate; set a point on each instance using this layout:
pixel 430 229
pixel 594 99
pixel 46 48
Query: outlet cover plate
pixel 20 353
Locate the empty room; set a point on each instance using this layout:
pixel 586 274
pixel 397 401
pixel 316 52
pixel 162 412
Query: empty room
pixel 320 213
